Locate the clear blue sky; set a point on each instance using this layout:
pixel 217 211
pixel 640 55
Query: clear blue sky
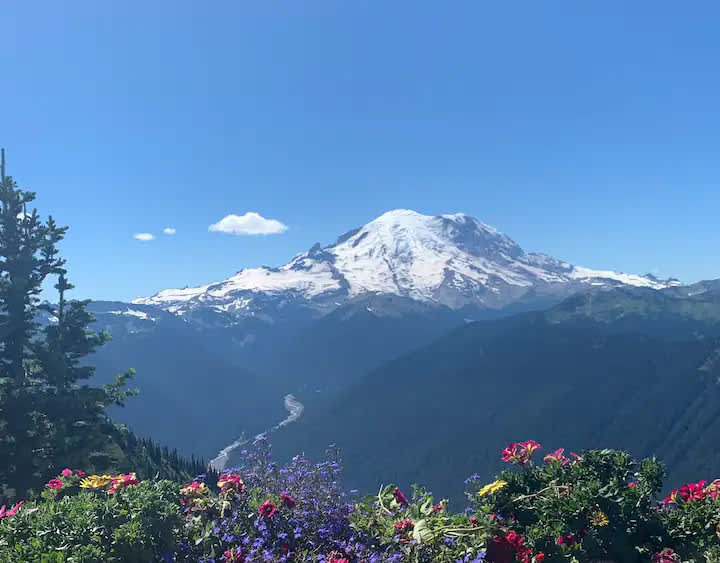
pixel 587 130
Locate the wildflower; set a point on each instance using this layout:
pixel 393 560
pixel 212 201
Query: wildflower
pixel 598 518
pixel 404 525
pixel 520 452
pixel 688 492
pixel 510 452
pixel 491 488
pixel 400 497
pixel 667 555
pixel 55 483
pixel 123 481
pixel 66 472
pixel 234 554
pixel 97 481
pixel 556 457
pixel 267 509
pixel 194 489
pixel 568 540
pixel 231 481
pixel 287 501
pixel 12 512
pixel 713 489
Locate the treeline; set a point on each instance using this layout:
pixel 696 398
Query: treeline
pixel 49 417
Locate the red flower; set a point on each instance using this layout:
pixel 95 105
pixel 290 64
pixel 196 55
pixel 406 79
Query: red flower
pixel 234 555
pixel 231 481
pixel 267 509
pixel 400 497
pixel 66 472
pixel 688 492
pixel 80 473
pixel 438 508
pixel 404 525
pixel 287 501
pixel 336 557
pixel 474 521
pixel 55 483
pixel 540 557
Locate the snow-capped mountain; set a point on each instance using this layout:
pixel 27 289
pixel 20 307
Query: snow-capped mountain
pixel 452 261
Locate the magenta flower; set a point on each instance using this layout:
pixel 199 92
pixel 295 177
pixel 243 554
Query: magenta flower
pixel 55 483
pixel 267 509
pixel 400 497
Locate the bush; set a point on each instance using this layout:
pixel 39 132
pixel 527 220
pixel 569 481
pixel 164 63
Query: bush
pixel 139 523
pixel 600 505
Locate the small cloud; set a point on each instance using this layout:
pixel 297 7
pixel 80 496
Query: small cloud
pixel 169 231
pixel 249 224
pixel 144 236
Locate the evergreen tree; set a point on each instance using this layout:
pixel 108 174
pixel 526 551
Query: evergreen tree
pixel 74 411
pixel 49 417
pixel 28 255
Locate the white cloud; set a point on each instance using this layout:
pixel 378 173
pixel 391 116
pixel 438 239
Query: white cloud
pixel 249 224
pixel 144 236
pixel 169 230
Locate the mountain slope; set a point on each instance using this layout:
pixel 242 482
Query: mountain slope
pixel 453 261
pixel 571 377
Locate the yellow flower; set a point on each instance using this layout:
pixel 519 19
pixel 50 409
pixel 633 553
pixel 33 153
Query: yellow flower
pixel 599 518
pixel 97 481
pixel 491 488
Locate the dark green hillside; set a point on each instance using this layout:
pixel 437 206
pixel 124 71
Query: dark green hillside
pixel 566 378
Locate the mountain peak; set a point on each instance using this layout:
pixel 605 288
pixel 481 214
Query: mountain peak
pixel 451 260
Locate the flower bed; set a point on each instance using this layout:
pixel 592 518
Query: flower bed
pixel 592 506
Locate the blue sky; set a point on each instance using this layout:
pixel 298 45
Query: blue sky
pixel 590 131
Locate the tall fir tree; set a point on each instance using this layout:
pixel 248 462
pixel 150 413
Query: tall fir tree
pixel 28 255
pixel 50 418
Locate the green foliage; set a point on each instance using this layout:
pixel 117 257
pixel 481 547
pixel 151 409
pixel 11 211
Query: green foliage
pixel 425 530
pixel 136 524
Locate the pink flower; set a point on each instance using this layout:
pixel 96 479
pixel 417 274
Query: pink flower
pixel 632 484
pixel 510 452
pixel 287 501
pixel 404 525
pixel 267 509
pixel 55 483
pixel 667 555
pixel 66 472
pixel 80 473
pixel 12 512
pixel 400 497
pixel 336 557
pixel 556 457
pixel 438 508
pixel 123 481
pixel 520 452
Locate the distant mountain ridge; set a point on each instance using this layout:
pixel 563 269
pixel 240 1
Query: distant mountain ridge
pixel 451 261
